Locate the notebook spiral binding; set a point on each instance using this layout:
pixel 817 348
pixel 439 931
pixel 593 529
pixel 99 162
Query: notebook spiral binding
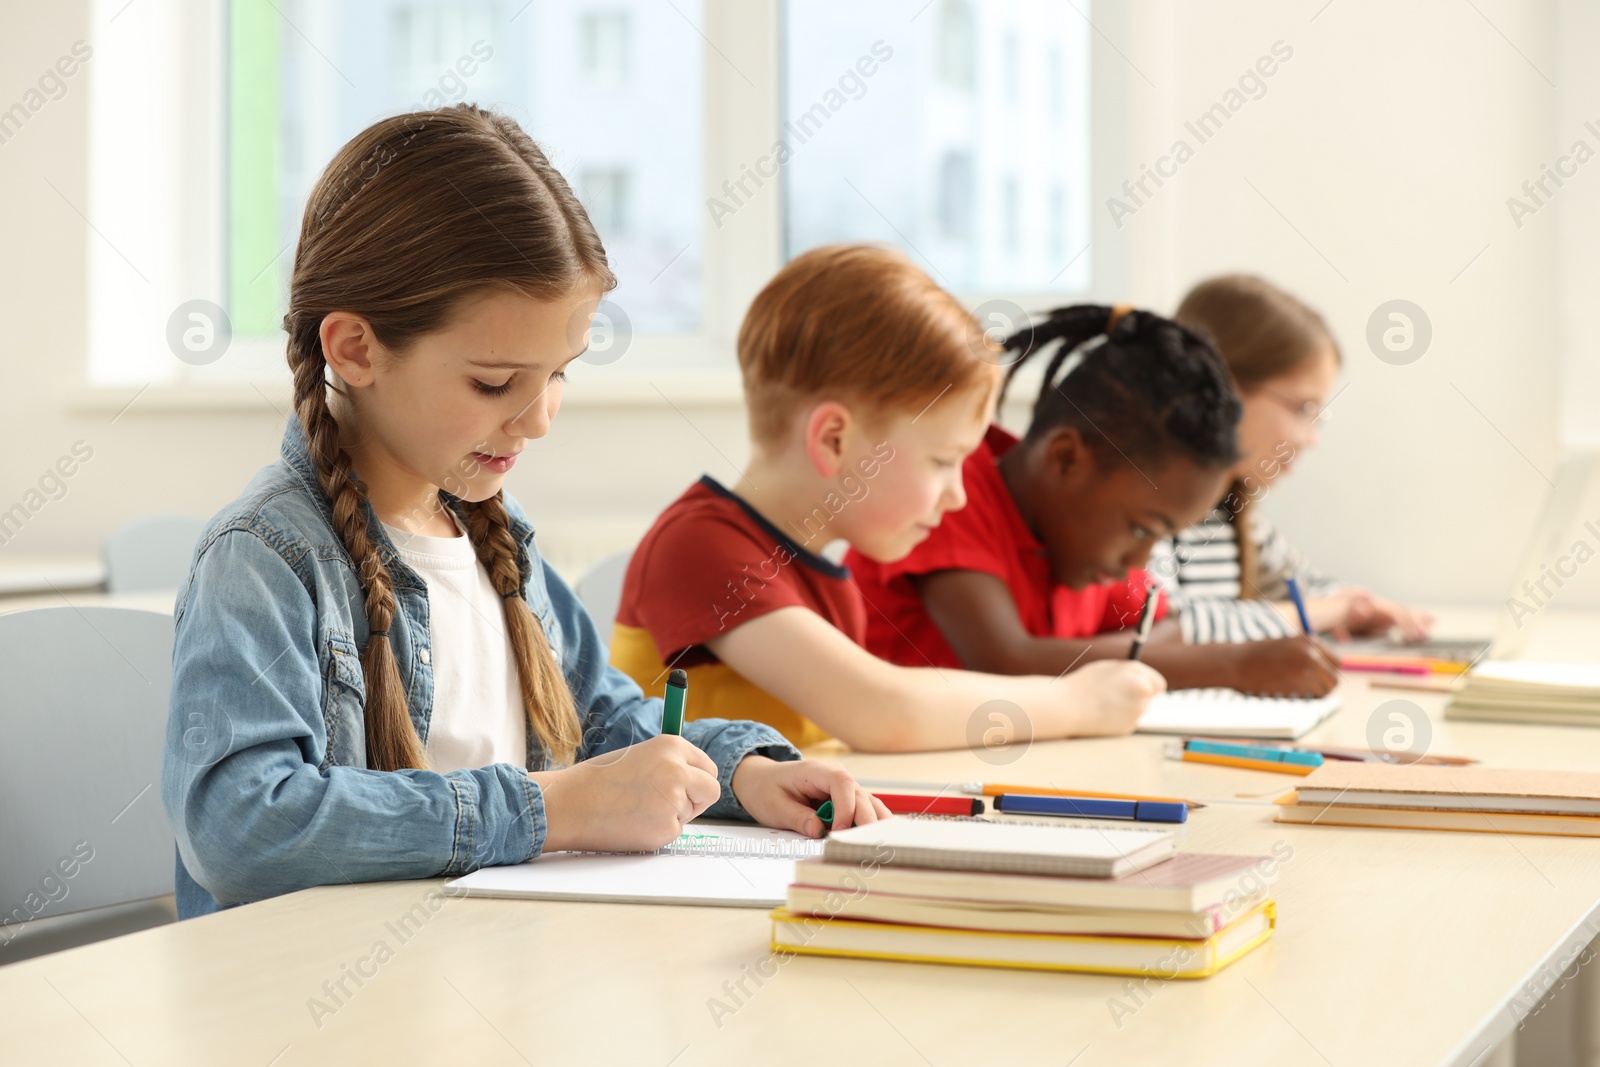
pixel 692 844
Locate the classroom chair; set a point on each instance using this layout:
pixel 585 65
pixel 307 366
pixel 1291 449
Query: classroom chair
pixel 83 709
pixel 152 553
pixel 600 589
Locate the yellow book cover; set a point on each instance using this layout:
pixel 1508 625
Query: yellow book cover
pixel 1157 957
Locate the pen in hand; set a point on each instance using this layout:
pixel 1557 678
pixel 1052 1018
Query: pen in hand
pixel 1299 605
pixel 1147 619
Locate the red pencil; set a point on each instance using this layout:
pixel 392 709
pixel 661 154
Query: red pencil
pixel 904 804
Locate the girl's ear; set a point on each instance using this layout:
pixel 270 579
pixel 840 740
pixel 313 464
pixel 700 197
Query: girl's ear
pixel 1069 459
pixel 827 431
pixel 348 345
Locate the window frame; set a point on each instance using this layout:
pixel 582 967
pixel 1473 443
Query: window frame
pixel 743 118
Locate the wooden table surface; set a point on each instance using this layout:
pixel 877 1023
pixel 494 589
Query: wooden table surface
pixel 1392 947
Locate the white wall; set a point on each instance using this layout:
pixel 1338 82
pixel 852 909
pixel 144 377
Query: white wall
pixel 1390 140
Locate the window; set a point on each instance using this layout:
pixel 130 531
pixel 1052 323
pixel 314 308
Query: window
pixel 605 42
pixel 605 195
pixel 936 138
pixel 1011 214
pixel 710 143
pixel 1058 222
pixel 608 135
pixel 955 197
pixel 213 207
pixel 424 37
pixel 1055 92
pixel 1012 68
pixel 956 45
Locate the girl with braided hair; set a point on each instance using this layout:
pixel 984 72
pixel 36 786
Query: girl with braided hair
pixel 375 676
pixel 1230 568
pixel 1132 440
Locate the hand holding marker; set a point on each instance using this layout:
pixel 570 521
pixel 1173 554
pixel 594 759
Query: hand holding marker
pixel 673 701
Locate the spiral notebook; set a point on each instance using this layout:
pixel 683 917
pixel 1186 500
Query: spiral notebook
pixel 732 865
pixel 1229 713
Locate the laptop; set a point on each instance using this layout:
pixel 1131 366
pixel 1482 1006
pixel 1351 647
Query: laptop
pixel 1550 539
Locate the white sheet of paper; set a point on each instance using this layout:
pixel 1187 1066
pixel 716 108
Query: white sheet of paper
pixel 719 864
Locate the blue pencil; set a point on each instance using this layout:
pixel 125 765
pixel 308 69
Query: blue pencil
pixel 1299 605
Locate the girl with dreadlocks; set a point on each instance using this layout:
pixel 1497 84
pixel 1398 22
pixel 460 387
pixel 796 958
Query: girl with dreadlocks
pixel 375 676
pixel 1132 439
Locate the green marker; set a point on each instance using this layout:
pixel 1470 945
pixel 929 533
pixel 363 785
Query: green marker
pixel 672 709
pixel 825 813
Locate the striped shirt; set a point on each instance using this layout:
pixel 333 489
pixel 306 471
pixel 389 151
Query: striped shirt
pixel 1199 569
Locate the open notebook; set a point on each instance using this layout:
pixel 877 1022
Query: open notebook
pixel 1227 713
pixel 723 864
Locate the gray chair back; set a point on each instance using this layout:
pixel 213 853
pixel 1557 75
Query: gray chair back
pixel 83 713
pixel 600 589
pixel 152 553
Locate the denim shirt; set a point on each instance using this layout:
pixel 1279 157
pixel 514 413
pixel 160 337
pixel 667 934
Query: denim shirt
pixel 265 777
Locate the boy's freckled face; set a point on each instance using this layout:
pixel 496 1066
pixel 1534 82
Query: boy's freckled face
pixel 911 491
pixel 1097 529
pixel 455 409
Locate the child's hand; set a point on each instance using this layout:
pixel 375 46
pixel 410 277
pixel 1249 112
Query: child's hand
pixel 1284 666
pixel 1107 696
pixel 631 800
pixel 1369 614
pixel 786 794
pixel 1353 610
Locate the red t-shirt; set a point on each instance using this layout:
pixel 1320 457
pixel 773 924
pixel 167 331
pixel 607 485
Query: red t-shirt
pixel 988 535
pixel 710 564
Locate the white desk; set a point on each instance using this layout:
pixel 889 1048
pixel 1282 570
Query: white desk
pixel 1393 947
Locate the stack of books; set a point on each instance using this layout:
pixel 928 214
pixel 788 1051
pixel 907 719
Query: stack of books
pixel 1107 900
pixel 1518 691
pixel 1419 797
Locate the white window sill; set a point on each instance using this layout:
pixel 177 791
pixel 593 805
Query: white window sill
pixel 612 390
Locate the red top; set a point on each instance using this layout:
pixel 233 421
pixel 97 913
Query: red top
pixel 990 536
pixel 711 563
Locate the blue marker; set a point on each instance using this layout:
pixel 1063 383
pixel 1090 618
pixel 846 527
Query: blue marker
pixel 1092 808
pixel 1299 605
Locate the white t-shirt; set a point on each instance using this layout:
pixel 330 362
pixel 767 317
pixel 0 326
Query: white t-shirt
pixel 477 707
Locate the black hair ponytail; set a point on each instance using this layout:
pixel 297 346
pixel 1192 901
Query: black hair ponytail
pixel 1147 389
